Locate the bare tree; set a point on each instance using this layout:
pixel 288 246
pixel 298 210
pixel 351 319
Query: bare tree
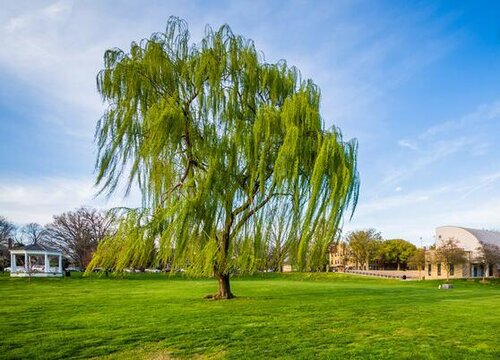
pixel 449 253
pixel 278 234
pixel 417 259
pixel 7 231
pixel 77 233
pixel 33 233
pixel 488 254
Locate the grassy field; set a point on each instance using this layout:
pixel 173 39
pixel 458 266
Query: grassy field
pixel 288 316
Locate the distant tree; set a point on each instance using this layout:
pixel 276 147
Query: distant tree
pixel 397 251
pixel 346 256
pixel 212 135
pixel 33 233
pixel 319 246
pixel 488 254
pixel 77 233
pixel 449 253
pixel 7 231
pixel 4 257
pixel 417 259
pixel 364 245
pixel 278 236
pixel 374 250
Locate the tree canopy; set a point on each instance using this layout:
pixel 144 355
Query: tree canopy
pixel 396 251
pixel 217 140
pixel 33 233
pixel 417 259
pixel 449 253
pixel 77 233
pixel 488 255
pixel 364 245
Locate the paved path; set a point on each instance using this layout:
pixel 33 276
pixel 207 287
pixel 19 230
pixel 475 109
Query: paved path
pixel 389 274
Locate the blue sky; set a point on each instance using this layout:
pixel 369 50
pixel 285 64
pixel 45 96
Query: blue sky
pixel 417 83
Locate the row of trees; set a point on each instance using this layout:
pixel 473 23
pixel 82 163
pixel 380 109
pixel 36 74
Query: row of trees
pixel 78 233
pixel 75 233
pixel 368 247
pixel 11 235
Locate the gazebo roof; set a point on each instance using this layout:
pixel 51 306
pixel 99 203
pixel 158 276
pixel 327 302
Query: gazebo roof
pixel 36 247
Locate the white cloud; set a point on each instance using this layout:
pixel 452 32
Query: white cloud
pixel 482 183
pixel 468 134
pixel 406 144
pixel 434 152
pixel 37 200
pixel 57 47
pixel 484 113
pixel 40 51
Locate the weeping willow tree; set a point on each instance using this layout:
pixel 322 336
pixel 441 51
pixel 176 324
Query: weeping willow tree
pixel 216 140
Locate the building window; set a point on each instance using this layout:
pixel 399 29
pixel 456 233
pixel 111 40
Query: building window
pixel 439 269
pixel 452 269
pixel 429 269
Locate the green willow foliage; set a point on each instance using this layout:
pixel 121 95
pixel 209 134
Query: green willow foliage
pixel 218 141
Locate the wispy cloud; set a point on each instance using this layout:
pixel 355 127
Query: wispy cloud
pixel 468 134
pixel 30 200
pixel 406 144
pixel 37 201
pixel 444 183
pixel 482 183
pixel 434 152
pixel 41 53
pixel 483 114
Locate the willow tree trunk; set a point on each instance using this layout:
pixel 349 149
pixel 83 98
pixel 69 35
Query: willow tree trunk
pixel 224 291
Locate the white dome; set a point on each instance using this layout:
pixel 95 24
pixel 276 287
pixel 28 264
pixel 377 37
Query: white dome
pixel 469 239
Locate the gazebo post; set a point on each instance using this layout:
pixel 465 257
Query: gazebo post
pixel 13 267
pixel 60 264
pixel 26 267
pixel 47 264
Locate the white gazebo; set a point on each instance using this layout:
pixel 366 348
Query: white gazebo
pixel 35 261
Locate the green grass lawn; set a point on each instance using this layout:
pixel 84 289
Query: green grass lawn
pixel 288 316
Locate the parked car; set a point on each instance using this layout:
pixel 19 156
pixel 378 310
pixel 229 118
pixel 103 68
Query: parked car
pixel 73 268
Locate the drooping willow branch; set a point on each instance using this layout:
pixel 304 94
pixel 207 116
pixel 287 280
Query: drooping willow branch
pixel 217 140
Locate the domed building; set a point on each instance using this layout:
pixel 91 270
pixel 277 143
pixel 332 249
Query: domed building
pixel 476 243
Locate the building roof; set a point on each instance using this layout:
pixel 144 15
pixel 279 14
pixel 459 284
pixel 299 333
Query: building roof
pixel 37 247
pixel 485 237
pixel 470 239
